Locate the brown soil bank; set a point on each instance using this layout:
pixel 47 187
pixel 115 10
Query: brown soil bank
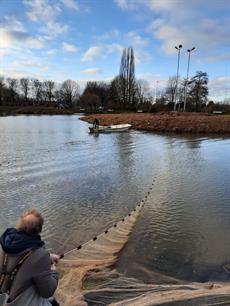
pixel 168 122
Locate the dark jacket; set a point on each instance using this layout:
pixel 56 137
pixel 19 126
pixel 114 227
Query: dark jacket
pixel 36 269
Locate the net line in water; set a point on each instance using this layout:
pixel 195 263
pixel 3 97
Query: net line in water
pixel 92 262
pixel 98 253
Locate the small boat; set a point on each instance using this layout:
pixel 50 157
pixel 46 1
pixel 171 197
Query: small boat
pixel 96 128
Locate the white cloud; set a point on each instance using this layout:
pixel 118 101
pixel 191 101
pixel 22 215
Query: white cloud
pixel 113 48
pixel 41 10
pixel 12 23
pixel 101 51
pixel 54 28
pixel 206 34
pixel 14 39
pixel 154 5
pixel 20 73
pixel 132 38
pixel 46 13
pixel 105 50
pixel 92 71
pixel 136 40
pixel 163 5
pixel 68 47
pixel 123 4
pixel 192 27
pixel 213 57
pixel 51 52
pixel 219 88
pixel 126 4
pixel 36 42
pixel 92 53
pixel 5 52
pixel 139 44
pixel 13 35
pixel 71 4
pixel 185 22
pixel 26 66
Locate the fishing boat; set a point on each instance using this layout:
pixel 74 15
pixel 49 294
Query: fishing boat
pixel 96 128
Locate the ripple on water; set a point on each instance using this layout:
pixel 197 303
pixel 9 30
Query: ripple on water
pixel 83 184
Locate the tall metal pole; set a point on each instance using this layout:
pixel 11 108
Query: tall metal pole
pixel 186 82
pixel 177 75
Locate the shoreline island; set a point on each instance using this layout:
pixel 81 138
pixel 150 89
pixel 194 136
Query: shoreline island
pixel 193 123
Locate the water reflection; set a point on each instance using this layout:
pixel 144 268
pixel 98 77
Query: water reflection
pixel 82 184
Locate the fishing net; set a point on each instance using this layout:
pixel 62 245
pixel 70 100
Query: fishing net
pixel 97 254
pixel 87 277
pixel 122 291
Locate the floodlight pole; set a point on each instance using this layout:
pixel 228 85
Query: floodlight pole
pixel 186 82
pixel 177 75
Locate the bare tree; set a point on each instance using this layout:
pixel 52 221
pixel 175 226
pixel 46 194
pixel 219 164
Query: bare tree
pixel 2 85
pixel 90 101
pixel 48 87
pixel 12 84
pixel 171 89
pixel 115 91
pixel 69 92
pixel 127 77
pixel 142 91
pixel 37 91
pixel 25 88
pixel 101 89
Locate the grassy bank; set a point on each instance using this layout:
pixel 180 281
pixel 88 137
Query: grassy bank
pixel 43 110
pixel 34 110
pixel 7 110
pixel 168 122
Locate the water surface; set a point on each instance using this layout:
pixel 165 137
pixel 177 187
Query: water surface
pixel 82 184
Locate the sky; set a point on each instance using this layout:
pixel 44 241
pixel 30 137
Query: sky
pixel 83 40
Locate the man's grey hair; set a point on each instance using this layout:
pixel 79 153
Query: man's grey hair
pixel 31 222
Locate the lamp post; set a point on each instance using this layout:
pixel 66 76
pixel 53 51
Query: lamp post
pixel 177 75
pixel 186 83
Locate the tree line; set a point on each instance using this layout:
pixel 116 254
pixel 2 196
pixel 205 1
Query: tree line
pixel 27 92
pixel 124 93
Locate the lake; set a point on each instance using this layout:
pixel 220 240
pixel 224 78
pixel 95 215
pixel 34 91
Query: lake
pixel 83 183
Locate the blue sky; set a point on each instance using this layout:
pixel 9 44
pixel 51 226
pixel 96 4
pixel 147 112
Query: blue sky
pixel 83 39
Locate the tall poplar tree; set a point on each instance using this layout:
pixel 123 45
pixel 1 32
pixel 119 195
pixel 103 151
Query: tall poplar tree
pixel 127 77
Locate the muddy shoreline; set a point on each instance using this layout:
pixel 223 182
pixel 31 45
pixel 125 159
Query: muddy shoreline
pixel 168 122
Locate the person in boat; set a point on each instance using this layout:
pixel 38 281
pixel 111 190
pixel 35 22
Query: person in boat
pixel 96 124
pixel 28 273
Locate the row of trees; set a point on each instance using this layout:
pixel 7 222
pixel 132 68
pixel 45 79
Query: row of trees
pixel 24 92
pixel 124 92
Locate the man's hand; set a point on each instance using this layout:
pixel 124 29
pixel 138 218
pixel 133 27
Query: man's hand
pixel 53 267
pixel 54 258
